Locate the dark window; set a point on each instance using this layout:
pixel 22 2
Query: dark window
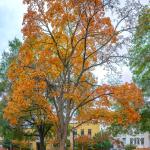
pixel 131 140
pixel 138 141
pixel 135 141
pixel 89 132
pixel 82 132
pixel 75 133
pixel 142 141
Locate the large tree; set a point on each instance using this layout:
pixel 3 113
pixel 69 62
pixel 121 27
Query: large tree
pixel 64 42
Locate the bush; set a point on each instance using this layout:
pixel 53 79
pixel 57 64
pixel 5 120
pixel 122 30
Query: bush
pixel 105 145
pixel 130 147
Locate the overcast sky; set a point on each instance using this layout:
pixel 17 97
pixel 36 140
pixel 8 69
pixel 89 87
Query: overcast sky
pixel 11 14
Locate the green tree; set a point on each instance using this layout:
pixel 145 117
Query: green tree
pixel 102 141
pixel 140 52
pixel 7 58
pixel 144 124
pixel 140 63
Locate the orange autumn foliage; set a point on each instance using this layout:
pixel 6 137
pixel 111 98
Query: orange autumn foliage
pixel 64 41
pixel 83 140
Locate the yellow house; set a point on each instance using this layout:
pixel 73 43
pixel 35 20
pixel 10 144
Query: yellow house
pixel 88 129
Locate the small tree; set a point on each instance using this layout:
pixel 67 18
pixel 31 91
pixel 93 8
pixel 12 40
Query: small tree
pixel 39 127
pixel 6 131
pixel 82 142
pixel 102 141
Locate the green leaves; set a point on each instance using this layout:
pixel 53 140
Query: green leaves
pixel 145 119
pixel 140 52
pixel 7 58
pixel 140 63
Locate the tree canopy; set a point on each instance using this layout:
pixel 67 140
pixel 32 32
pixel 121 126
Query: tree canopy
pixel 6 131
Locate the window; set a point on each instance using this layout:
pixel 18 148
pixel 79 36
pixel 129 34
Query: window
pixel 75 133
pixel 138 141
pixel 131 140
pixel 90 132
pixel 124 140
pixel 135 141
pixel 142 141
pixel 82 132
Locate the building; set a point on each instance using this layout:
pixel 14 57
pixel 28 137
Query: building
pixel 141 141
pixel 87 129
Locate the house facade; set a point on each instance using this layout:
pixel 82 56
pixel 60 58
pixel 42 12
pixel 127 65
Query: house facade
pixel 141 140
pixel 87 129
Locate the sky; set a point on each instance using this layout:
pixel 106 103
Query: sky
pixel 11 14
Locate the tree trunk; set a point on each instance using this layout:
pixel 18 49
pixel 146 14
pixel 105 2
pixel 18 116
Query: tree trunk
pixel 62 145
pixel 62 138
pixel 40 129
pixel 42 144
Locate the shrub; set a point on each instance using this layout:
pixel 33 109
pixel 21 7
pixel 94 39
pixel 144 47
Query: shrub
pixel 130 147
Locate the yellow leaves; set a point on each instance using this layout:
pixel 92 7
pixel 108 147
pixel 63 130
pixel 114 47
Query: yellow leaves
pixel 28 58
pixel 23 144
pixel 13 111
pixel 61 41
pixel 41 85
pixel 13 121
pixel 104 89
pixel 13 71
pixel 72 96
pixel 128 92
pixel 113 102
pixel 122 94
pixel 106 21
pixel 44 56
pixel 96 114
pixel 31 27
